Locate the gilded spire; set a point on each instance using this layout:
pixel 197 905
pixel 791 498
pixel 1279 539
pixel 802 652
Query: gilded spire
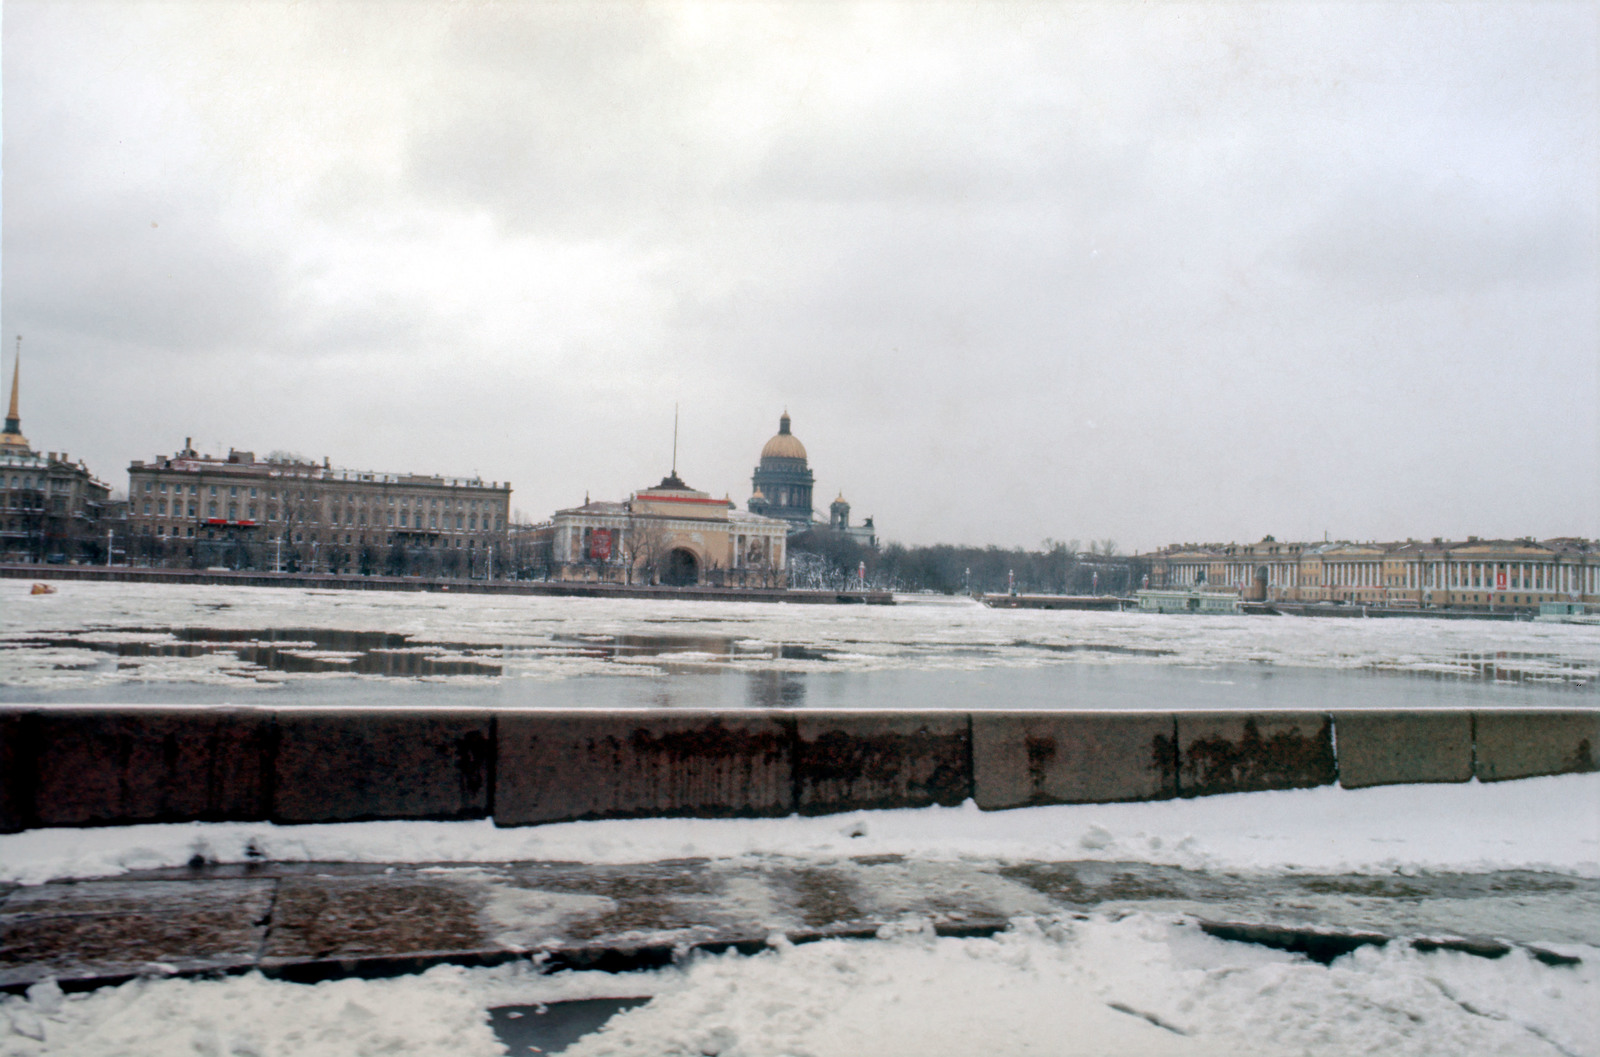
pixel 12 439
pixel 12 421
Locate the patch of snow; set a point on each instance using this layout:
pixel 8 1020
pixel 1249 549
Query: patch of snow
pixel 434 1013
pixel 1144 984
pixel 1538 823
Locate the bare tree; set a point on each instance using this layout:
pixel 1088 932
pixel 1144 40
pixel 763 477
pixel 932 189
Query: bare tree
pixel 644 544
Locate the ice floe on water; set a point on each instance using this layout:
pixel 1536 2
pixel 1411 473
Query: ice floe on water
pixel 99 635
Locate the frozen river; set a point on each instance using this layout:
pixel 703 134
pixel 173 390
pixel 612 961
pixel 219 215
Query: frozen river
pixel 100 642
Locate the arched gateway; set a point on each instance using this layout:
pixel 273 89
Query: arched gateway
pixel 670 534
pixel 682 568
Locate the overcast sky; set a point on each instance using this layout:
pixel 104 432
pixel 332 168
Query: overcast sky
pixel 1154 272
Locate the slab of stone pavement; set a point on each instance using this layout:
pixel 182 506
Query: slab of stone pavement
pixel 327 920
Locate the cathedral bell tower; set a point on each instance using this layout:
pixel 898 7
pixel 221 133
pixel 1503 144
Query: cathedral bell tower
pixel 839 514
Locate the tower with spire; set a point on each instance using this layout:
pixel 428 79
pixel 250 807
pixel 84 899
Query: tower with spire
pixel 55 509
pixel 12 442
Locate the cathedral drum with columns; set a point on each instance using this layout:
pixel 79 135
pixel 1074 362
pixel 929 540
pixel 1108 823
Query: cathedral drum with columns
pixel 782 487
pixel 783 481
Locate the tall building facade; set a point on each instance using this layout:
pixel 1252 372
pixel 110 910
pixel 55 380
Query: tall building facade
pixel 1474 574
pixel 296 515
pixel 51 508
pixel 782 482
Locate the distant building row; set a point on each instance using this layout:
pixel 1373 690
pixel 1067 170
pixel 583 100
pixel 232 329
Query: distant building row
pixel 1473 574
pixel 290 514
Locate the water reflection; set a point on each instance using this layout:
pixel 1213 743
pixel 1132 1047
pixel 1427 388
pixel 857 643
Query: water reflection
pixel 1512 666
pixel 1093 647
pixel 303 651
pixel 770 689
pixel 687 649
pixel 290 650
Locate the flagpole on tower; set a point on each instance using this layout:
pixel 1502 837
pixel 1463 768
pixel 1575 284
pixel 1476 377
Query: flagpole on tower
pixel 674 440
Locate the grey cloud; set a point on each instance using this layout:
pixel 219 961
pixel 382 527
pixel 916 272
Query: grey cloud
pixel 151 273
pixel 1393 238
pixel 1144 272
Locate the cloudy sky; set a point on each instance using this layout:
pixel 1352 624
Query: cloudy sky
pixel 1149 272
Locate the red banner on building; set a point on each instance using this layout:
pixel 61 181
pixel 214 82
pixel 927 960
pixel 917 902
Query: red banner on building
pixel 600 545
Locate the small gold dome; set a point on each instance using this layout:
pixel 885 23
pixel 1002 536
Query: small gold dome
pixel 784 445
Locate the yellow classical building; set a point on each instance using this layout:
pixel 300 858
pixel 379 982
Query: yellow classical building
pixel 1475 574
pixel 670 534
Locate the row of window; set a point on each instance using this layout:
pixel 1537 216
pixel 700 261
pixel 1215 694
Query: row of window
pixel 26 482
pixel 407 519
pixel 160 488
pixel 1518 576
pixel 182 531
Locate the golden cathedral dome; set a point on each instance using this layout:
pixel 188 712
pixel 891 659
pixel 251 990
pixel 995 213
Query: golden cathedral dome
pixel 784 445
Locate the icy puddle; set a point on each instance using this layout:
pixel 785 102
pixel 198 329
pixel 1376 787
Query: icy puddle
pixel 552 1027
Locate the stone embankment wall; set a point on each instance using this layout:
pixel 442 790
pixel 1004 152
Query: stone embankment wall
pixel 356 582
pixel 88 766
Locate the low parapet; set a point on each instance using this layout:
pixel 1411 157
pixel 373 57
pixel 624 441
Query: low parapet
pixel 117 765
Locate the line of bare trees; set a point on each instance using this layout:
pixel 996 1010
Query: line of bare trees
pixel 825 558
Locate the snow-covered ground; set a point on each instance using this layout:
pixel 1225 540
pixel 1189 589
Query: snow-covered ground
pixel 48 642
pixel 1103 983
pixel 1538 823
pixel 1100 985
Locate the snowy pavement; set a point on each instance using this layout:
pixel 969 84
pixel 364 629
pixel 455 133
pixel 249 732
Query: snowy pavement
pixel 316 921
pixel 1045 958
pixel 1545 824
pixel 1398 920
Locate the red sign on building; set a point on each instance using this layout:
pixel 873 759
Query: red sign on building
pixel 1500 580
pixel 600 545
